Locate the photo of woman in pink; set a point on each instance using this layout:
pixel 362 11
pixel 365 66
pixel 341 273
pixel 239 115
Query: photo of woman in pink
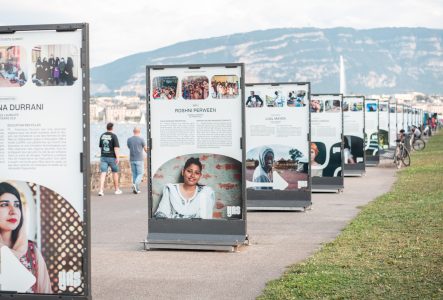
pixel 13 235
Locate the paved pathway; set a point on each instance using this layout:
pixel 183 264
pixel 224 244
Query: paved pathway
pixel 122 270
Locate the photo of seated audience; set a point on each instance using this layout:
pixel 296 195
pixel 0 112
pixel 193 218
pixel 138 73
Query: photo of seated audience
pixel 55 65
pixel 195 87
pixel 224 86
pixel 12 64
pixel 164 87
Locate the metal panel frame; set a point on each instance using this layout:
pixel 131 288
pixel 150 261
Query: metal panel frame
pixel 360 168
pixel 374 160
pixel 197 234
pixel 396 121
pixel 84 157
pixel 280 199
pixel 331 184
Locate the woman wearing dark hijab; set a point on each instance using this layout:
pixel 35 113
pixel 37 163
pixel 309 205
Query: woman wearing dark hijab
pixel 69 72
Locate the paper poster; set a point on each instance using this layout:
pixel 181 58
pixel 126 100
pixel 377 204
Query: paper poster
pixel 41 139
pixel 196 131
pixel 371 128
pixel 353 130
pixel 277 127
pixel 326 130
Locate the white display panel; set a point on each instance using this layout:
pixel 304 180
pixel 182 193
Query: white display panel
pixel 353 130
pixel 383 130
pixel 277 126
pixel 392 124
pixel 371 128
pixel 406 123
pixel 326 135
pixel 410 118
pixel 41 133
pixel 400 117
pixel 196 115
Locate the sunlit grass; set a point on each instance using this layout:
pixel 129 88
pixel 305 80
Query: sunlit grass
pixel 392 250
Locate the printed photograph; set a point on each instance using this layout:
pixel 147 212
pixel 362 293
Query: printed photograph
pixel 325 162
pixel 392 109
pixel 372 144
pixel 316 106
pixel 164 87
pixel 296 99
pixel 383 139
pixel 43 234
pixel 383 107
pixel 276 167
pixel 371 107
pixel 198 186
pixel 195 87
pixel 254 99
pixel 353 149
pixel 355 106
pixel 332 106
pixel 225 86
pixel 12 66
pixel 275 99
pixel 55 65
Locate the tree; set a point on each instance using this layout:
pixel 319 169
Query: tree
pixel 295 154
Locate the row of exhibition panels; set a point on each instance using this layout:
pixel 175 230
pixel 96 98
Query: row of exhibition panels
pixel 263 146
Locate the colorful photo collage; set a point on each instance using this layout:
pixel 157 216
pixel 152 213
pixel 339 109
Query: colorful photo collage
pixel 195 87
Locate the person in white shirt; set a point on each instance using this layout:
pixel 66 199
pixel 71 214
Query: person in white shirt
pixel 189 199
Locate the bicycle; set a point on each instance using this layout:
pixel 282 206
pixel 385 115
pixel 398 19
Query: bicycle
pixel 401 155
pixel 418 144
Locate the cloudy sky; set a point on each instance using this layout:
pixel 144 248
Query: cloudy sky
pixel 123 27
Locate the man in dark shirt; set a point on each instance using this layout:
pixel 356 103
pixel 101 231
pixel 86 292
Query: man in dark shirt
pixel 109 158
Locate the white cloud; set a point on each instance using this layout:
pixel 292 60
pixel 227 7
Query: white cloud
pixel 119 28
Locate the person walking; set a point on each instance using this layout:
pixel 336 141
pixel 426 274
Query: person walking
pixel 136 146
pixel 109 158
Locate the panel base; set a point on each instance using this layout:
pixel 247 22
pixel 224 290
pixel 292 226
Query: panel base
pixel 354 170
pixel 327 184
pixel 16 296
pixel 195 241
pixel 372 161
pixel 278 205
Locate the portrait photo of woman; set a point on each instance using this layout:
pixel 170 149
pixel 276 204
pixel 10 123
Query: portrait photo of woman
pixel 263 172
pixel 187 199
pixel 315 172
pixel 13 235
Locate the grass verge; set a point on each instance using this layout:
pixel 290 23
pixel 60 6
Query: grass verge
pixel 392 250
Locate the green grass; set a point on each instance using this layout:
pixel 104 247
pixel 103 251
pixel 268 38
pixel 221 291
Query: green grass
pixel 392 250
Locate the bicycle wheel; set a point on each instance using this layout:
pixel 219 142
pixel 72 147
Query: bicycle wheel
pixel 419 144
pixel 398 162
pixel 405 158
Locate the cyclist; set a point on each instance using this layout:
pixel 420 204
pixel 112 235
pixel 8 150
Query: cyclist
pixel 416 132
pixel 401 136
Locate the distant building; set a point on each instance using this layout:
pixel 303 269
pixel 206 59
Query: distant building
pixel 115 114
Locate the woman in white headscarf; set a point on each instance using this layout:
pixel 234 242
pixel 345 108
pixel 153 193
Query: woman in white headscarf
pixel 263 172
pixel 13 236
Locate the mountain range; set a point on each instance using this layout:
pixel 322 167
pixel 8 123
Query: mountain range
pixel 382 60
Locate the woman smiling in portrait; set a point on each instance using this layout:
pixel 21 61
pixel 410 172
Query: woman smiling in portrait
pixel 188 199
pixel 13 235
